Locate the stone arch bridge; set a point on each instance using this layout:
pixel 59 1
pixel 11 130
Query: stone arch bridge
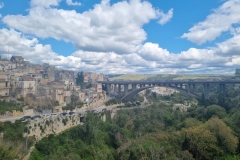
pixel 126 89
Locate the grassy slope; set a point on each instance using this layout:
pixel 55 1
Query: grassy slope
pixel 133 77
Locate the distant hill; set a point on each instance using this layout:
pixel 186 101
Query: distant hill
pixel 169 76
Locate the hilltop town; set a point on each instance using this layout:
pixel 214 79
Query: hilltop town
pixel 45 87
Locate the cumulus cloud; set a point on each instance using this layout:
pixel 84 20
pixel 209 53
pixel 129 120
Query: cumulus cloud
pixel 221 20
pixel 230 47
pixel 15 43
pixel 45 3
pixel 150 57
pixel 1 5
pixel 104 28
pixel 108 40
pixel 164 18
pixel 71 3
pixel 153 52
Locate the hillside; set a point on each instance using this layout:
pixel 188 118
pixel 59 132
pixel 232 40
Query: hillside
pixel 153 132
pixel 169 76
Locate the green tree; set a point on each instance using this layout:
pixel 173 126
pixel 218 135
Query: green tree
pixel 80 79
pixel 212 139
pixel 215 110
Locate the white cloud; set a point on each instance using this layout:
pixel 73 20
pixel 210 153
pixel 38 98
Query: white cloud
pixel 221 20
pixel 231 46
pixel 164 18
pixel 104 28
pixel 17 44
pixel 45 3
pixel 71 3
pixel 109 40
pixel 1 5
pixel 148 58
pixel 152 52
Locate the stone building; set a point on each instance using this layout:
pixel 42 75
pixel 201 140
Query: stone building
pixel 4 86
pixel 50 70
pixel 58 95
pixel 18 60
pixel 14 85
pixel 93 77
pixel 66 74
pixel 96 87
pixel 27 85
pixel 6 65
pixel 82 95
pixel 38 77
pixel 69 84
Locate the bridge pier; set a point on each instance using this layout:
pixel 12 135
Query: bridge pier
pixel 207 91
pixel 222 92
pixel 181 86
pixel 194 88
pixel 188 88
pixel 125 89
pixel 108 88
pixel 203 89
pixel 119 88
pixel 134 87
pixel 115 88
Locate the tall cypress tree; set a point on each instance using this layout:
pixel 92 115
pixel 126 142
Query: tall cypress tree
pixel 79 79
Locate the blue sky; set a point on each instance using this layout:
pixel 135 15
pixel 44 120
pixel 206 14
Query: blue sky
pixel 124 36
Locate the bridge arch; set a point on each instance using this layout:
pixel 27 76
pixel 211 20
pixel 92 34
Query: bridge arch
pixel 132 93
pixel 189 86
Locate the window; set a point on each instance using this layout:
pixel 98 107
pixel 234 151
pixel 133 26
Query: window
pixel 6 84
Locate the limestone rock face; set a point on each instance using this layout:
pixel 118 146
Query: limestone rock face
pixel 43 127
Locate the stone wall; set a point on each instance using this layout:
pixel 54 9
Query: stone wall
pixel 17 113
pixel 28 111
pixel 43 127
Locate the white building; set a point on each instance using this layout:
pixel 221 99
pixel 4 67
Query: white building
pixel 4 86
pixel 27 85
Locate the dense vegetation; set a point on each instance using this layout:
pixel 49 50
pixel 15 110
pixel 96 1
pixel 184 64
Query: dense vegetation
pixel 154 132
pixel 208 130
pixel 75 103
pixel 7 106
pixel 80 81
pixel 13 144
pixel 112 101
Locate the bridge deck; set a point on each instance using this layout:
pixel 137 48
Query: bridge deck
pixel 173 82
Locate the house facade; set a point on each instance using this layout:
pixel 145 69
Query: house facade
pixel 18 60
pixel 4 86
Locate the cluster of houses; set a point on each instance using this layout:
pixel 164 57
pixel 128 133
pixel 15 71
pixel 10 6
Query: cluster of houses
pixel 44 85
